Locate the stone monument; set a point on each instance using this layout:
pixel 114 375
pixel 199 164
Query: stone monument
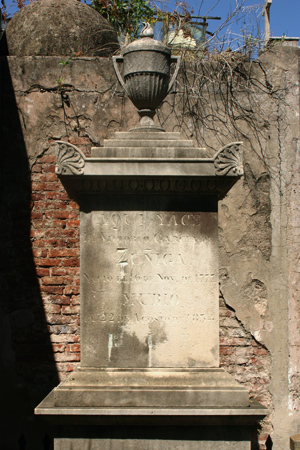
pixel 149 373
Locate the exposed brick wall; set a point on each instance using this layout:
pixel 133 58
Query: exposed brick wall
pixel 55 247
pixel 248 362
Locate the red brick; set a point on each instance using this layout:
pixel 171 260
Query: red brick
pixel 226 350
pixel 69 290
pixel 70 309
pixel 47 262
pixel 48 177
pixel 66 252
pixel 50 204
pixel 60 214
pixel 59 299
pixel 39 252
pixel 73 348
pixel 60 329
pixel 58 348
pixel 36 215
pixel 37 168
pixel 39 186
pixel 79 140
pixel 65 357
pixel 49 243
pixel 35 233
pixel 51 289
pixel 260 351
pixel 66 271
pixel 61 233
pixel 66 367
pixel 54 319
pixel 42 272
pixel 73 242
pixel 57 195
pixel 75 299
pixel 39 243
pixel 53 280
pixel 56 204
pixel 59 223
pixel 49 168
pixel 40 204
pixel 234 341
pixel 52 309
pixel 71 262
pixel 73 223
pixel 59 271
pixel 47 159
pixel 39 224
pixel 65 338
pixel 38 196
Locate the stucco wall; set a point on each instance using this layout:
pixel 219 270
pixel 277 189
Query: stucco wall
pixel 259 306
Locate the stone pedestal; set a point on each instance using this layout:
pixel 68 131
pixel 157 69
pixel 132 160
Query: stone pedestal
pixel 149 373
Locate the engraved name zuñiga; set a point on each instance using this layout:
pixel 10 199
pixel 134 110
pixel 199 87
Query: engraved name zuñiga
pixel 148 257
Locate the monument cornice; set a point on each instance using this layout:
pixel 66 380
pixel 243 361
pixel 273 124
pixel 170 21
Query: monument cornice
pixel 179 169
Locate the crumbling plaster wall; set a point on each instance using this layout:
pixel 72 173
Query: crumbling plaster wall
pixel 259 225
pixel 261 283
pixel 258 219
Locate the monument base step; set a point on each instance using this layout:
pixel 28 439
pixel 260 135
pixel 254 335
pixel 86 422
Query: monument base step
pixel 148 388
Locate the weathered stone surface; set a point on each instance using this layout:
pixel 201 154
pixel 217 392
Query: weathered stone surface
pixel 136 169
pixel 149 287
pixel 150 388
pixel 156 438
pixel 188 441
pixel 147 64
pixel 68 28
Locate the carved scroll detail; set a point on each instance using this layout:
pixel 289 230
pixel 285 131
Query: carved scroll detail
pixel 69 159
pixel 229 160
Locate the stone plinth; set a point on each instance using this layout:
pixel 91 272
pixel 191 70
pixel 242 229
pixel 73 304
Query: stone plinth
pixel 150 388
pixel 295 442
pixel 149 297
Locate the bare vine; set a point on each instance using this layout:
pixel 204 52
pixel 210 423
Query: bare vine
pixel 224 94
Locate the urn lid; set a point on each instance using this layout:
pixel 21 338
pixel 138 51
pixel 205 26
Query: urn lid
pixel 146 43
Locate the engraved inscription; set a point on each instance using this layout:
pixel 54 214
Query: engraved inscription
pixel 148 257
pixel 151 274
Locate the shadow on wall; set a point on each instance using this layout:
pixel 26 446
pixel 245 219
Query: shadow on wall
pixel 27 365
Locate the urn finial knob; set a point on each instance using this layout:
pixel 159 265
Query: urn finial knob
pixel 147 31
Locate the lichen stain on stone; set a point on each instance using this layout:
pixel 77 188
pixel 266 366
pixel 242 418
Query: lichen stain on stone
pixel 131 352
pixel 158 332
pixel 257 291
pixel 192 362
pixel 259 231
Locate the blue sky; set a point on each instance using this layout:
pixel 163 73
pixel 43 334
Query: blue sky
pixel 285 14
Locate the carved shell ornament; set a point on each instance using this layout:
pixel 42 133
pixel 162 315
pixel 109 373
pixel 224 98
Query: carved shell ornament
pixel 69 159
pixel 229 160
